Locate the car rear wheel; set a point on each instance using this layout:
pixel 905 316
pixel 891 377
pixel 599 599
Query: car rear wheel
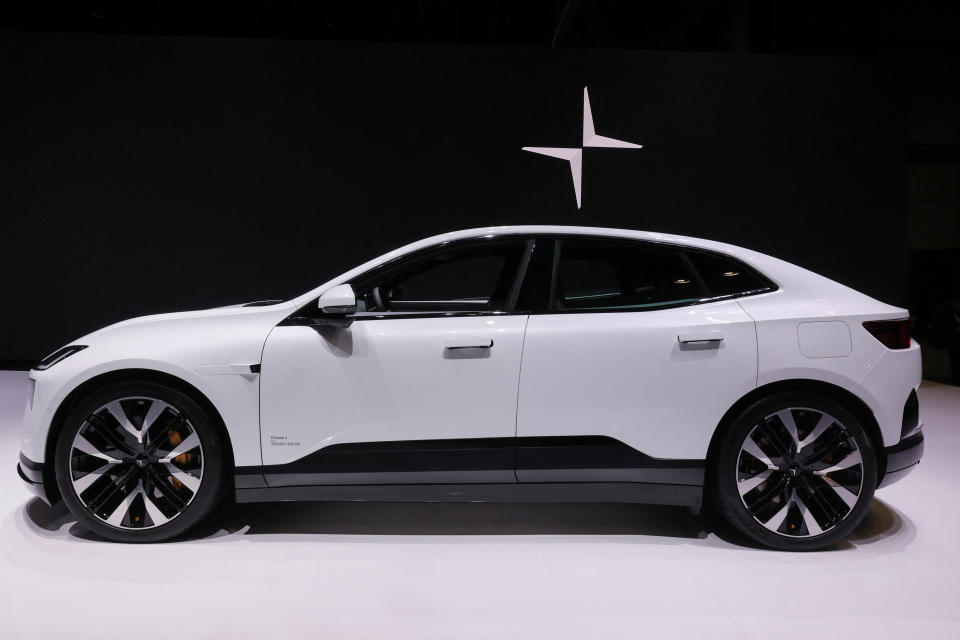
pixel 794 471
pixel 140 462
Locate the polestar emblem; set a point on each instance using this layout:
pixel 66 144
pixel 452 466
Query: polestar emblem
pixel 590 139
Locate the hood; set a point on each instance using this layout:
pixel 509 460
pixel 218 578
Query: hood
pixel 191 336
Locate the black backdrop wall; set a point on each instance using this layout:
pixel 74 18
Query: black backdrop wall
pixel 142 175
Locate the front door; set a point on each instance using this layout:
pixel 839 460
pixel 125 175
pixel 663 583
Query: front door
pixel 420 388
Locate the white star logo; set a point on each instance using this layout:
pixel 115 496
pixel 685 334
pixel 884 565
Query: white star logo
pixel 590 139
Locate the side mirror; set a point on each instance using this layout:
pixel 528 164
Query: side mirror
pixel 338 301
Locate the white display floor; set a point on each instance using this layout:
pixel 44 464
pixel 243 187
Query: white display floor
pixel 482 570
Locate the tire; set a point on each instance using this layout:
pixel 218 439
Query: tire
pixel 127 483
pixel 795 487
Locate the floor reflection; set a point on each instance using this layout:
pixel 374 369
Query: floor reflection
pixel 468 519
pixel 259 521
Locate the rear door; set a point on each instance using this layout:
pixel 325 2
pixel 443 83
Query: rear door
pixel 629 369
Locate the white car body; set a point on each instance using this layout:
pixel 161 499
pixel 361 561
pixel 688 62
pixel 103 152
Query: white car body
pixel 619 375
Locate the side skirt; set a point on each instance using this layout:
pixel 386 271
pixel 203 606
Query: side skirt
pixel 635 492
pixel 536 460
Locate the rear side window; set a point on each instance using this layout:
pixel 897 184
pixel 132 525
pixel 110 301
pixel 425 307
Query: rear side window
pixel 611 275
pixel 725 276
pixel 605 274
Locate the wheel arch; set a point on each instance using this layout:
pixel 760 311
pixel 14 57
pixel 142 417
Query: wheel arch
pixel 849 400
pixel 88 387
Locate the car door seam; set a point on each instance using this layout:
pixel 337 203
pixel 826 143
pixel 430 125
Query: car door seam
pixel 516 412
pixel 756 341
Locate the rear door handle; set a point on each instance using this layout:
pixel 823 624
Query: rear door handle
pixel 468 342
pixel 700 338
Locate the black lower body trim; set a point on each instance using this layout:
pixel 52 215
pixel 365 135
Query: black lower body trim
pixel 637 492
pixel 562 459
pixel 598 459
pixel 902 458
pixel 403 461
pixel 431 476
pixel 32 475
pixel 527 469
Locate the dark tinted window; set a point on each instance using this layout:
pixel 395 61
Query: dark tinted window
pixel 610 274
pixel 535 293
pixel 465 277
pixel 725 276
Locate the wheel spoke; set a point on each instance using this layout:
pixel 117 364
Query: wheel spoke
pixel 116 410
pixel 87 447
pixel 851 460
pixel 116 517
pixel 845 494
pixel 168 492
pixel 188 443
pixel 159 442
pixel 105 431
pixel 825 505
pixel 822 425
pixel 749 484
pixel 83 483
pixel 786 417
pixel 777 518
pixel 828 447
pixel 191 482
pixel 813 527
pixel 753 449
pixel 156 408
pixel 775 436
pixel 769 493
pixel 110 490
pixel 153 510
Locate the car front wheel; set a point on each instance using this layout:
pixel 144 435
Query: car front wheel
pixel 794 471
pixel 140 462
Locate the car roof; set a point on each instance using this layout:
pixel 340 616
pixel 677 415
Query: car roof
pixel 552 229
pixel 632 234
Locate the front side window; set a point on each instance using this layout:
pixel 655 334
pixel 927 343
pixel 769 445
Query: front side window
pixel 615 275
pixel 474 276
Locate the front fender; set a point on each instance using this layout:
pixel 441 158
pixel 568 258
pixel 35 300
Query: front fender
pixel 212 353
pixel 234 397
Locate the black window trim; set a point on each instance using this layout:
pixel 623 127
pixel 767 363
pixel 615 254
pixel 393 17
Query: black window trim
pixel 684 251
pixel 306 315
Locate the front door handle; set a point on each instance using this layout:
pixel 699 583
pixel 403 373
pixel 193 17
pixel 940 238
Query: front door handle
pixel 700 338
pixel 468 342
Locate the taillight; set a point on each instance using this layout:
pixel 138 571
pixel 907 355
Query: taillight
pixel 894 334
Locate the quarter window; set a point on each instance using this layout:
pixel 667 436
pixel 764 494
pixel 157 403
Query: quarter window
pixel 725 276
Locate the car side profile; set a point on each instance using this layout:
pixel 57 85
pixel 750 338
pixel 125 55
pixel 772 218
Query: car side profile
pixel 529 363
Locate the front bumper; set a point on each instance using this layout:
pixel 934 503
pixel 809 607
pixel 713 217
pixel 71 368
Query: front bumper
pixel 32 475
pixel 902 458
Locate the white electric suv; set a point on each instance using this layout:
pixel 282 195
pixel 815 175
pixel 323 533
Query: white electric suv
pixel 500 364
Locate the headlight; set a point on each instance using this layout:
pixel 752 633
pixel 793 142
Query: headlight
pixel 58 355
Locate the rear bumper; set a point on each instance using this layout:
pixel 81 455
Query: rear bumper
pixel 902 458
pixel 32 475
